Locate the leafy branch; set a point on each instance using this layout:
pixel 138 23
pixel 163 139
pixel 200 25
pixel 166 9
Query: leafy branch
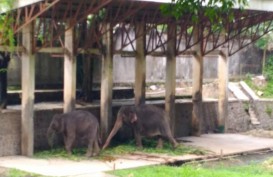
pixel 6 21
pixel 214 10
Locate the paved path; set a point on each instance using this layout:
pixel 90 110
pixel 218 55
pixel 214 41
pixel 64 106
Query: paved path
pixel 230 143
pixel 218 144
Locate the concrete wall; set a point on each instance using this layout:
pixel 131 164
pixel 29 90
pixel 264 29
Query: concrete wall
pixel 238 121
pixel 264 111
pixel 49 71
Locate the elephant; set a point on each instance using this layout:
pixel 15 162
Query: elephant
pixel 146 121
pixel 77 124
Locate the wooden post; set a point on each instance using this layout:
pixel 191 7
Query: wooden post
pixel 28 86
pixel 223 90
pixel 197 85
pixel 69 72
pixel 106 80
pixel 140 64
pixel 170 75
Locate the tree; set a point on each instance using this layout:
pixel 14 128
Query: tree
pixel 265 43
pixel 212 9
pixel 6 38
pixel 6 21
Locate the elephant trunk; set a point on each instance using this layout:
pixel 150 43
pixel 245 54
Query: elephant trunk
pixel 50 136
pixel 117 126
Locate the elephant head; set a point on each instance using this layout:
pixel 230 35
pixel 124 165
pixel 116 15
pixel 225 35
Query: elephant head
pixel 127 115
pixel 55 126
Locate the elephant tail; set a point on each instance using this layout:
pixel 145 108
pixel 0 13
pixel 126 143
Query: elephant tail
pixel 99 137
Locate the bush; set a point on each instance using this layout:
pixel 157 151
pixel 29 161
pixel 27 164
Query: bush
pixel 268 70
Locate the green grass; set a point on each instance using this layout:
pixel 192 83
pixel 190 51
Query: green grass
pixel 196 171
pixel 77 155
pixel 19 173
pixel 119 149
pixel 267 90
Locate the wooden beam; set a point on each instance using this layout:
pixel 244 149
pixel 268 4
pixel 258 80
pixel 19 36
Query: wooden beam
pixel 197 86
pixel 11 49
pixel 140 64
pixel 223 90
pixel 28 86
pixel 60 50
pixel 106 80
pixel 170 82
pixel 69 72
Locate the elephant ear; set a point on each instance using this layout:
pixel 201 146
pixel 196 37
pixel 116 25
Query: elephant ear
pixel 134 118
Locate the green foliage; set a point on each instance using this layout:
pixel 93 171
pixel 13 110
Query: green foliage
pixel 214 10
pixel 267 90
pixel 196 171
pixel 264 41
pixel 6 21
pixel 268 70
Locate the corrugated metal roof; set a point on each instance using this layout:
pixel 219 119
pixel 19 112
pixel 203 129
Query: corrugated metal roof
pixel 23 3
pixel 263 5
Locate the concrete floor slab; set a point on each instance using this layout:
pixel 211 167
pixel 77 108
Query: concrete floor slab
pixel 216 143
pixel 229 143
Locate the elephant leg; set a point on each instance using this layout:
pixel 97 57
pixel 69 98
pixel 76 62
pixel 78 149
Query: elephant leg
pixel 169 137
pixel 96 148
pixel 69 141
pixel 159 143
pixel 89 152
pixel 172 141
pixel 91 140
pixel 138 139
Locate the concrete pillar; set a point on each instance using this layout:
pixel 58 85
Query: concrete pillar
pixel 223 90
pixel 106 80
pixel 170 82
pixel 28 87
pixel 140 64
pixel 197 86
pixel 69 72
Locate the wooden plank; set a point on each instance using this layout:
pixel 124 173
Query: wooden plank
pixel 106 81
pixel 170 82
pixel 223 90
pixel 28 86
pixel 197 86
pixel 69 72
pixel 140 66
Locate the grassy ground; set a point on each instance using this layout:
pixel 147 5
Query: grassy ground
pixel 267 89
pixel 119 149
pixel 189 170
pixel 195 170
pixel 19 173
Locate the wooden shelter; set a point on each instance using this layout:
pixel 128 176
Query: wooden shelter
pixel 69 27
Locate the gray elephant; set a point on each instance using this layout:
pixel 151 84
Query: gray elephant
pixel 147 121
pixel 76 125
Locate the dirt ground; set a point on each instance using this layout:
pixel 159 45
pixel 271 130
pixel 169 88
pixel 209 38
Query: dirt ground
pixel 260 133
pixel 3 171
